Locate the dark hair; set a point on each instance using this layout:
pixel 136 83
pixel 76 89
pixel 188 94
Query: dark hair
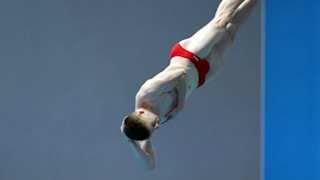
pixel 134 128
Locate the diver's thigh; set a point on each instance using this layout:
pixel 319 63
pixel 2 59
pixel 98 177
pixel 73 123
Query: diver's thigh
pixel 203 41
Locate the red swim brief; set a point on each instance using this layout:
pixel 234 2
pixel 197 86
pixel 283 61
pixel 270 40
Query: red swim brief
pixel 202 65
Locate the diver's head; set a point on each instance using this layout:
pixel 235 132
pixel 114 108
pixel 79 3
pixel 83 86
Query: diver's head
pixel 139 125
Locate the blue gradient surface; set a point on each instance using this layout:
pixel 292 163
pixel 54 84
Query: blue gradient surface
pixel 292 93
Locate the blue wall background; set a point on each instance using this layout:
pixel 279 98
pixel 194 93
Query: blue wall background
pixel 292 90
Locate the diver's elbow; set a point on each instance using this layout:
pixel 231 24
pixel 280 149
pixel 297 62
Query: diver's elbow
pixel 150 167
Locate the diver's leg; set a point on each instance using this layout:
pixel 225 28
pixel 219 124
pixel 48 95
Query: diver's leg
pixel 237 18
pixel 229 16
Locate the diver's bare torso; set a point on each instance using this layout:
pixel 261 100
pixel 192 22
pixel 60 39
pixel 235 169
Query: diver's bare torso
pixel 168 89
